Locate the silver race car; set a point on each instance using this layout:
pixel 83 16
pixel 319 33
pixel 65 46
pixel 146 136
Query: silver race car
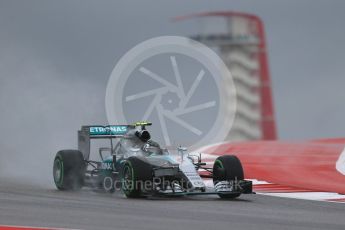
pixel 139 166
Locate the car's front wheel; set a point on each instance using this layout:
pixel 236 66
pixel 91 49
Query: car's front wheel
pixel 135 175
pixel 227 168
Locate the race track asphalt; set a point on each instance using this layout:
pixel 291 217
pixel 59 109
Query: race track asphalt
pixel 28 205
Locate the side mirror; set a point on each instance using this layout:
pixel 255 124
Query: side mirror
pixel 182 151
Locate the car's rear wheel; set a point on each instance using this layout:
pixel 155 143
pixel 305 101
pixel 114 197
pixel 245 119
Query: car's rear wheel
pixel 227 168
pixel 69 170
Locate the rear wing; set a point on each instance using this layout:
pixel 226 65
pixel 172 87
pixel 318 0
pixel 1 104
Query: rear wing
pixel 107 131
pixel 88 132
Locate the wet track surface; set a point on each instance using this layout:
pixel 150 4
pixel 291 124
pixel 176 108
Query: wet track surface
pixel 43 207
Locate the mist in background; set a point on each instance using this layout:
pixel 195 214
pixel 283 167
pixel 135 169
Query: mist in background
pixel 56 58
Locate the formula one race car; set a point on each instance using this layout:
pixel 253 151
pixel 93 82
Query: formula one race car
pixel 140 167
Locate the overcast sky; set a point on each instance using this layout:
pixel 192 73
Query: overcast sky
pixel 56 58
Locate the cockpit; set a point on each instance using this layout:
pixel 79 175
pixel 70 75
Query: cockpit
pixel 138 144
pixel 151 149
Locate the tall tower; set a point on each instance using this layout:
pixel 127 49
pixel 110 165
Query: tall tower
pixel 240 40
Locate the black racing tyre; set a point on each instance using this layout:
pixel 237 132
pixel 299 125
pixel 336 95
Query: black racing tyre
pixel 227 168
pixel 135 173
pixel 69 170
